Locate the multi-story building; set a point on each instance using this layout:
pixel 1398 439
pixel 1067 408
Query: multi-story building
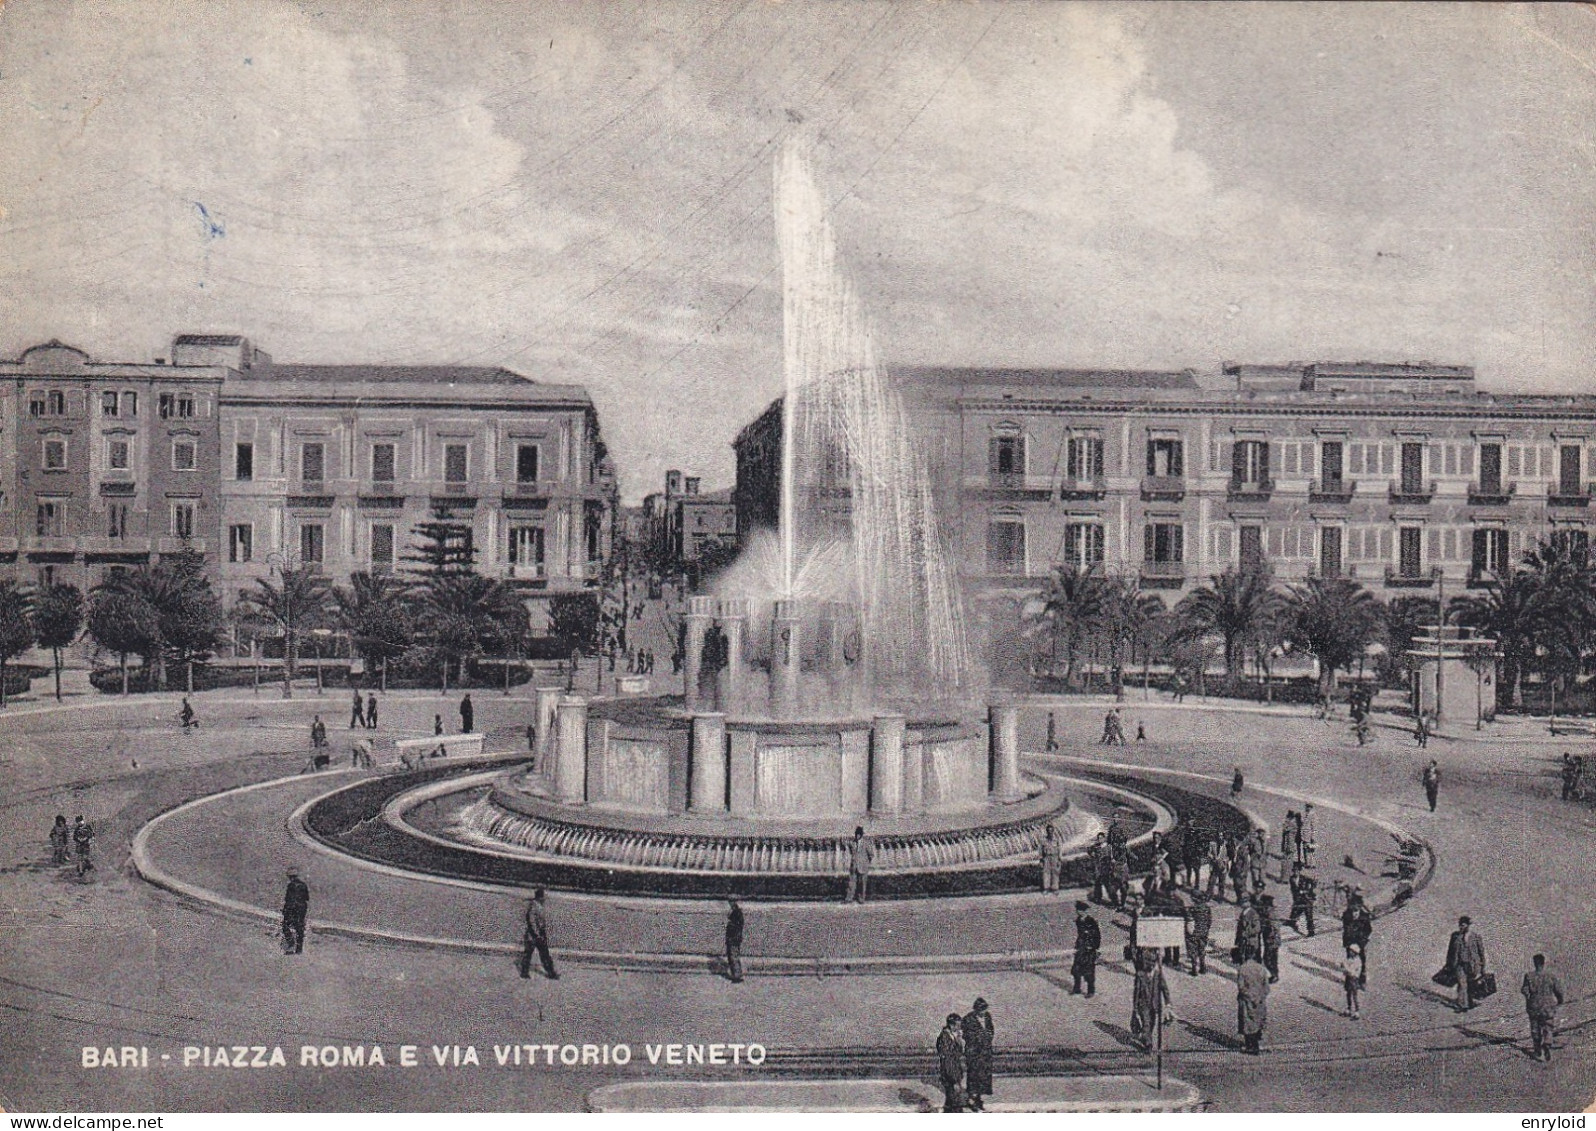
pixel 336 466
pixel 1404 477
pixel 683 520
pixel 105 464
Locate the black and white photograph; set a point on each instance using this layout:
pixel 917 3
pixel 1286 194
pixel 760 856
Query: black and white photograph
pixel 731 556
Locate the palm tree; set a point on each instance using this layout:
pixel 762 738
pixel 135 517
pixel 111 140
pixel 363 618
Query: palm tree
pixel 58 616
pixel 1127 616
pixel 464 613
pixel 1068 608
pixel 1233 606
pixel 16 627
pixel 373 611
pixel 299 601
pixel 1511 612
pixel 1334 619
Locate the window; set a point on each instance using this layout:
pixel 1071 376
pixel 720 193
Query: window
pixel 1249 463
pixel 178 406
pixel 55 455
pixel 1568 469
pixel 57 403
pixel 183 455
pixel 1252 556
pixel 1491 468
pixel 526 463
pixel 1007 456
pixel 1085 458
pixel 182 520
pixel 46 576
pixel 244 462
pixel 382 548
pixel 1165 459
pixel 593 532
pixel 1574 542
pixel 454 463
pixel 48 518
pixel 311 467
pixel 1083 544
pixel 1412 469
pixel 1163 542
pixel 36 404
pixel 116 527
pixel 118 454
pixel 109 404
pixel 1409 554
pixel 1005 547
pixel 1490 552
pixel 382 466
pixel 526 549
pixel 1330 551
pixel 312 543
pixel 130 404
pixel 1330 463
pixel 241 542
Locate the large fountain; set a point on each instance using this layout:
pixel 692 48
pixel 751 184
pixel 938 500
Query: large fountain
pixel 826 683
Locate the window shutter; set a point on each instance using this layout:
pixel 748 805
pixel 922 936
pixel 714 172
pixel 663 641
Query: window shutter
pixel 1151 461
pixel 1147 542
pixel 1176 540
pixel 1435 542
pixel 1271 458
pixel 992 454
pixel 1385 544
pixel 1238 463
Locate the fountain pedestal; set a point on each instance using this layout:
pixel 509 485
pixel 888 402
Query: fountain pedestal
pixel 785 661
pixel 700 611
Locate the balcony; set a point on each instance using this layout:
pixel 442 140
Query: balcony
pixel 1163 575
pixel 1242 490
pixel 1011 486
pixel 1491 494
pixel 1338 492
pixel 1409 492
pixel 50 544
pixel 1095 488
pixel 381 488
pixel 1397 579
pixel 1568 495
pixel 526 572
pixel 100 544
pixel 531 489
pixel 178 545
pixel 1169 488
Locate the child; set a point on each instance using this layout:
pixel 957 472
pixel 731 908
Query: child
pixel 1349 980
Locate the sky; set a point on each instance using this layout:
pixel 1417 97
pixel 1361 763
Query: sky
pixel 582 191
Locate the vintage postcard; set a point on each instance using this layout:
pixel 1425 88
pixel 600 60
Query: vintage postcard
pixel 727 556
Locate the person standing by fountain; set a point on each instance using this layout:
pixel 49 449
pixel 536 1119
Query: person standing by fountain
pixel 978 1054
pixel 1088 942
pixel 734 941
pixel 536 938
pixel 860 854
pixel 950 1063
pixel 1052 858
pixel 467 714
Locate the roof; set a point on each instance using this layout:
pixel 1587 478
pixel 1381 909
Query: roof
pixel 1052 378
pixel 387 374
pixel 208 340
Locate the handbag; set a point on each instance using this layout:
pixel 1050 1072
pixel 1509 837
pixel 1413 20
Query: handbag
pixel 1483 986
pixel 1445 976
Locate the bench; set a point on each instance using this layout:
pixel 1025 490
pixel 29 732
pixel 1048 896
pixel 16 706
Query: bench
pixel 413 751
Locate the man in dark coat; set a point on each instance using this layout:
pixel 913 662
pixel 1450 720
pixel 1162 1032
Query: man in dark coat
pixel 1270 923
pixel 861 852
pixel 1543 993
pixel 1252 1008
pixel 977 1027
pixel 1304 890
pixel 1088 942
pixel 1465 958
pixel 950 1063
pixel 357 711
pixel 371 711
pixel 1199 923
pixel 1249 933
pixel 1357 928
pixel 83 844
pixel 536 938
pixel 467 714
pixel 1432 783
pixel 734 941
pixel 296 905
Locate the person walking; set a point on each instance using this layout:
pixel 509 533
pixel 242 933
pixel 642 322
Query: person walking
pixel 187 716
pixel 1088 944
pixel 1304 891
pixel 1141 730
pixel 535 938
pixel 1270 936
pixel 1102 862
pixel 950 1063
pixel 1052 858
pixel 861 851
pixel 1432 783
pixel 371 711
pixel 1349 981
pixel 1543 993
pixel 1307 834
pixel 357 711
pixel 60 839
pixel 734 941
pixel 1421 730
pixel 1052 733
pixel 467 714
pixel 296 905
pixel 1237 783
pixel 1258 860
pixel 1290 833
pixel 83 844
pixel 1252 1004
pixel 1199 924
pixel 977 1026
pixel 1357 928
pixel 1149 996
pixel 1249 933
pixel 1217 857
pixel 1240 869
pixel 1465 961
pixel 1108 730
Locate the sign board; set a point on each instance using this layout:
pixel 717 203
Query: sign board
pixel 1160 930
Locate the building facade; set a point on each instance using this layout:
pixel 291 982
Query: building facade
pixel 683 520
pixel 105 464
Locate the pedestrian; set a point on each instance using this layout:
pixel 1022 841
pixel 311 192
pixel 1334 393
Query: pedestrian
pixel 950 1063
pixel 1570 776
pixel 1543 993
pixel 1307 834
pixel 1236 783
pixel 1349 981
pixel 1304 890
pixel 1357 928
pixel 1199 923
pixel 535 938
pixel 371 711
pixel 1052 733
pixel 861 851
pixel 357 711
pixel 296 905
pixel 83 844
pixel 977 1026
pixel 1149 996
pixel 1432 783
pixel 1240 869
pixel 318 733
pixel 1249 933
pixel 60 838
pixel 437 732
pixel 187 715
pixel 1088 943
pixel 1141 730
pixel 360 753
pixel 734 941
pixel 1252 1004
pixel 1217 858
pixel 1108 730
pixel 467 714
pixel 1421 730
pixel 1102 861
pixel 1258 860
pixel 1290 833
pixel 1052 858
pixel 1270 924
pixel 1465 961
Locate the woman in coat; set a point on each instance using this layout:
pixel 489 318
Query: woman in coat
pixel 978 1054
pixel 1252 1008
